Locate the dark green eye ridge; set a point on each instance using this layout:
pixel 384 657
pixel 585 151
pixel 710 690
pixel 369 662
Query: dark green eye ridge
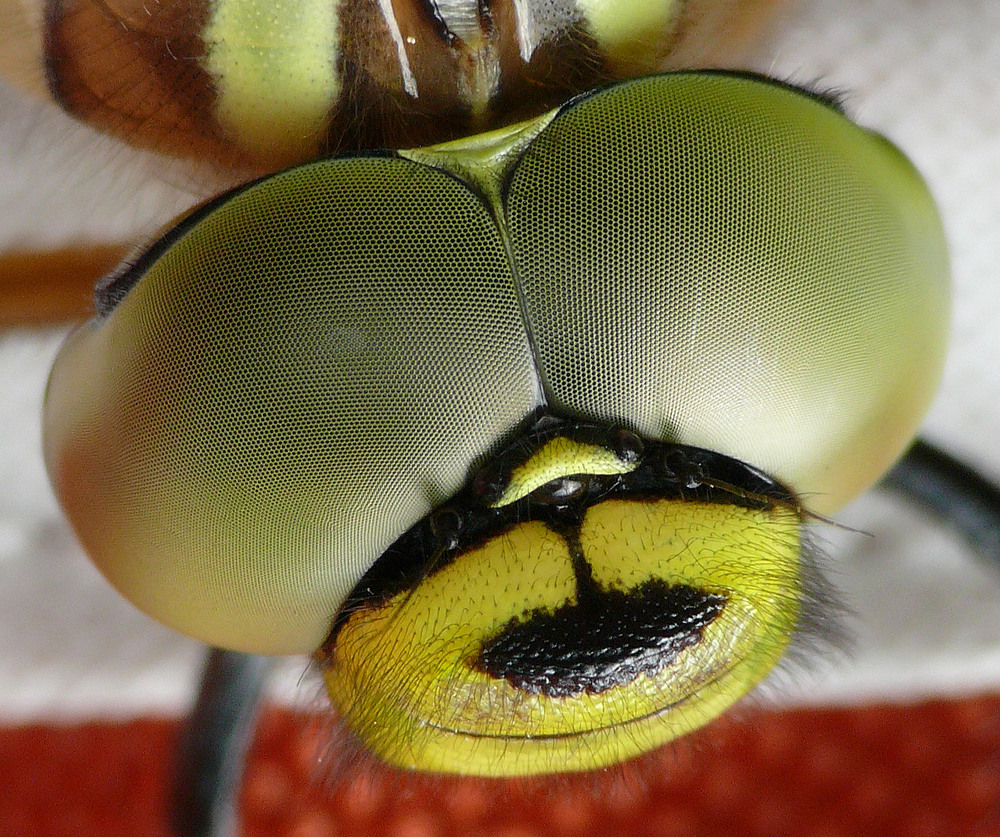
pixel 114 287
pixel 830 97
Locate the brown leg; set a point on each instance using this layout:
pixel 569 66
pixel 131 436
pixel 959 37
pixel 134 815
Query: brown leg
pixel 52 287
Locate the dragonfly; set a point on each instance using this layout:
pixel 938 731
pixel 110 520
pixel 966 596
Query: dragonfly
pixel 555 467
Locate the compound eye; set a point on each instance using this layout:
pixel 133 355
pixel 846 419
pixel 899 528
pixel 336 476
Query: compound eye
pixel 731 263
pixel 280 388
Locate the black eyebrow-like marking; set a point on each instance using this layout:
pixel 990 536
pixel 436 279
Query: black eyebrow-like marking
pixel 599 642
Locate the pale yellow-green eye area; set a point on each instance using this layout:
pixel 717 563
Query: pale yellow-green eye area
pixel 784 272
pixel 408 675
pixel 279 398
pixel 561 457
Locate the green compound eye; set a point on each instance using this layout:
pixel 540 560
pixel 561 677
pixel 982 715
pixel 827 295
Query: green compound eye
pixel 518 431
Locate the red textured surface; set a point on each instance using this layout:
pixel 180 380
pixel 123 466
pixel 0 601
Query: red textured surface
pixel 920 771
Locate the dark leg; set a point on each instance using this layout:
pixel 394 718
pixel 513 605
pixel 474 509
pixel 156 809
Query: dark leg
pixel 214 743
pixel 953 492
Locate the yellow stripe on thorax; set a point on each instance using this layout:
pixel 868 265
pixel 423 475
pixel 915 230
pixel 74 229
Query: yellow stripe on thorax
pixel 275 70
pixel 632 33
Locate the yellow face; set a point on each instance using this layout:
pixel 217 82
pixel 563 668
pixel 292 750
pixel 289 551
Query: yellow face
pixel 516 434
pixel 586 618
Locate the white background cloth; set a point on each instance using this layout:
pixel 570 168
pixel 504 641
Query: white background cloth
pixel 927 613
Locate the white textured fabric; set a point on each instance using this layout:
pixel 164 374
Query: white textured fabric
pixel 927 614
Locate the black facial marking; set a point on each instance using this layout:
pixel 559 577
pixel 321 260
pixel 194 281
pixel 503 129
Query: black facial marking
pixel 601 642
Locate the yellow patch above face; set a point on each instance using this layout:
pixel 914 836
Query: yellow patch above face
pixel 573 641
pixel 557 458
